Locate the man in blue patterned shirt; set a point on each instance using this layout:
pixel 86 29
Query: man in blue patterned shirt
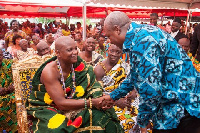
pixel 161 72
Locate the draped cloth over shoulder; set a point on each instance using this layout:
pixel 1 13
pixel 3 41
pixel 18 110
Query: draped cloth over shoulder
pixel 8 119
pixel 48 118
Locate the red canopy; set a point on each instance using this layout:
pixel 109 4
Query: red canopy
pixel 16 9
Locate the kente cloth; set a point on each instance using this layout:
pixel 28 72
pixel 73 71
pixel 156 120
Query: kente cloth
pixel 163 75
pixel 47 118
pixel 27 30
pixel 195 62
pixel 8 117
pixel 115 76
pixel 95 58
pixel 100 51
pixel 9 35
pixel 23 55
pixel 111 81
pixel 7 55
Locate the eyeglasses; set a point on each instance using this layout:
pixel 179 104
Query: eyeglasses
pixel 91 42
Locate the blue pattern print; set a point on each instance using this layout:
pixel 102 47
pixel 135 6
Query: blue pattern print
pixel 163 75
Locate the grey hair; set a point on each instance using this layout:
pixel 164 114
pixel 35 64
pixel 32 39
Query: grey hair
pixel 22 40
pixel 36 36
pixel 116 18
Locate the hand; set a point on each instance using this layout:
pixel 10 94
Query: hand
pixel 107 102
pixel 143 130
pixel 2 91
pixel 132 95
pixel 122 103
pixel 10 89
pixel 97 102
pixel 149 126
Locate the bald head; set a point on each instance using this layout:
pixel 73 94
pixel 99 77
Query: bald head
pixel 66 50
pixel 116 25
pixel 116 18
pixel 185 44
pixel 63 41
pixel 43 48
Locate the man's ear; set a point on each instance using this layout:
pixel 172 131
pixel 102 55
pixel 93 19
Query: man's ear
pixel 117 29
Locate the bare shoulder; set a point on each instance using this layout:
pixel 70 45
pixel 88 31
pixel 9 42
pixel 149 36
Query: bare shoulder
pixel 99 72
pixel 50 72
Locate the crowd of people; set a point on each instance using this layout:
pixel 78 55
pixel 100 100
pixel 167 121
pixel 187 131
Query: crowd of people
pixel 124 78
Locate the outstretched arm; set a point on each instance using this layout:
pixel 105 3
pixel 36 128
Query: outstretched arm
pixel 125 87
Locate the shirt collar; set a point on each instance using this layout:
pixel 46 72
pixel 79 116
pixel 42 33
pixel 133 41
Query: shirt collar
pixel 173 34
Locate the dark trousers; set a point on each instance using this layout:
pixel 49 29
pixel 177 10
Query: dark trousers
pixel 188 124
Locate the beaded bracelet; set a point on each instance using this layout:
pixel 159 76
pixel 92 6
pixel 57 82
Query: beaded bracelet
pixel 90 102
pixel 85 103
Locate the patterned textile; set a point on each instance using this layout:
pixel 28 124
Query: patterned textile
pixel 95 59
pixel 9 35
pixel 107 45
pixel 26 77
pixel 27 30
pixel 23 55
pixel 66 33
pixel 115 76
pixel 47 118
pixel 195 62
pixel 100 51
pixel 128 117
pixel 8 120
pixel 163 75
pixel 111 81
pixel 6 55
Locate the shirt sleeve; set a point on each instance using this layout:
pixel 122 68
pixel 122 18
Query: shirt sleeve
pixel 125 87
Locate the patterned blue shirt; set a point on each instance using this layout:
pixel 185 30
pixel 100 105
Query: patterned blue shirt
pixel 163 75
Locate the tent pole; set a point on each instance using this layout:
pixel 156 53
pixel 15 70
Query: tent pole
pixel 188 15
pixel 190 19
pixel 162 17
pixel 84 21
pixel 68 21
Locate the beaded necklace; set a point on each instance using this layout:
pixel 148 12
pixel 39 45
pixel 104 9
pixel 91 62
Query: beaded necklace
pixel 63 82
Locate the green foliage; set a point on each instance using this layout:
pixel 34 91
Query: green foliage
pixel 44 20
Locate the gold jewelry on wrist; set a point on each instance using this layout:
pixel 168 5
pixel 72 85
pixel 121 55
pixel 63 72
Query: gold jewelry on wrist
pixel 85 103
pixel 90 102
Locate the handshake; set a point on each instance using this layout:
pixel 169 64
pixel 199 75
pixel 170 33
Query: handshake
pixel 106 102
